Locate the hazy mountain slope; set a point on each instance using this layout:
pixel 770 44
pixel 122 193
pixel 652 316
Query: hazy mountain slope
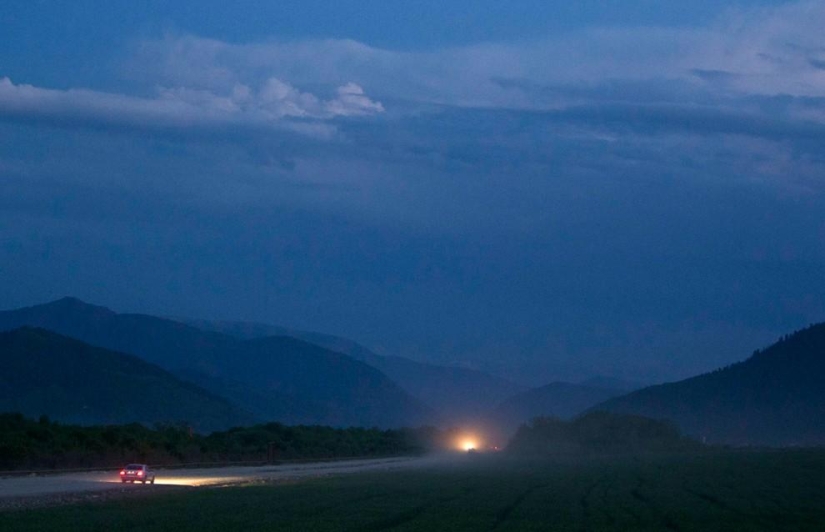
pixel 263 404
pixel 233 367
pixel 613 383
pixel 558 400
pixel 170 344
pixel 361 394
pixel 70 381
pixel 458 392
pixel 776 397
pixel 455 392
pixel 244 330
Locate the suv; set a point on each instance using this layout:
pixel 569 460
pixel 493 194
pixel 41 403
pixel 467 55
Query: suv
pixel 139 472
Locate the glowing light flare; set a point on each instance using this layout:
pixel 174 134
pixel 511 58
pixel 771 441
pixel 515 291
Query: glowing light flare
pixel 469 445
pixel 197 481
pixel 467 441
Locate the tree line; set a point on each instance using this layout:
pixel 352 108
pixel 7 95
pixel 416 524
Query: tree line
pixel 29 444
pixel 599 433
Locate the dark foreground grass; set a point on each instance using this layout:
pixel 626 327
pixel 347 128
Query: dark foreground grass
pixel 711 491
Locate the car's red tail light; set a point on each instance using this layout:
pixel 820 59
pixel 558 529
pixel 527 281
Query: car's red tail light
pixel 140 473
pixel 123 472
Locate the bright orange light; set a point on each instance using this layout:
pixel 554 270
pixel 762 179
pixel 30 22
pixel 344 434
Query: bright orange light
pixel 467 439
pixel 468 445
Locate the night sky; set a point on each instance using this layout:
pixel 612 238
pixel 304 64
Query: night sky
pixel 542 189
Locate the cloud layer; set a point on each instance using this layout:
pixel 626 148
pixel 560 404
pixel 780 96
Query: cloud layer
pixel 756 63
pixel 275 104
pixel 764 52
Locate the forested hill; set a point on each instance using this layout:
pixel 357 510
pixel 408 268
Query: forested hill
pixel 43 373
pixel 776 397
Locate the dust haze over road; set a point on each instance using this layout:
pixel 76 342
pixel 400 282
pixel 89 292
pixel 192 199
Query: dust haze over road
pixel 33 487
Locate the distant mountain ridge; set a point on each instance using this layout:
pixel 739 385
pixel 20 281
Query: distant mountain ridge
pixel 775 397
pixel 44 373
pixel 344 391
pixel 561 400
pixel 169 344
pixel 279 379
pixel 457 393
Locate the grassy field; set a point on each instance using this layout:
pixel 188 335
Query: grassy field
pixel 768 490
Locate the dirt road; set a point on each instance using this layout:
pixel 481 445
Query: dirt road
pixel 33 487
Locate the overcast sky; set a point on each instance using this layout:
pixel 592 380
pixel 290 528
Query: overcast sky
pixel 543 189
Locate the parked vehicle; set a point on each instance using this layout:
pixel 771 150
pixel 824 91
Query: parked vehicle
pixel 137 472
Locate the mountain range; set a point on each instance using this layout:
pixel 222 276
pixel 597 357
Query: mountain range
pixel 276 378
pixel 215 374
pixel 457 393
pixel 775 397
